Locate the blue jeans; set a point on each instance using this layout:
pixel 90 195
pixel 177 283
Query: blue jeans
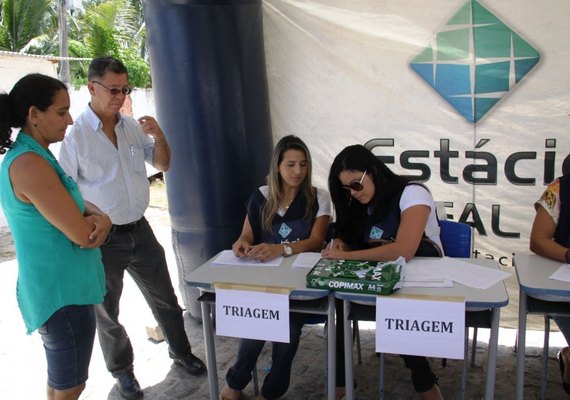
pixel 139 253
pixel 68 337
pixel 277 380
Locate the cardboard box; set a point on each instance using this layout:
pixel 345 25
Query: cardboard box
pixel 370 277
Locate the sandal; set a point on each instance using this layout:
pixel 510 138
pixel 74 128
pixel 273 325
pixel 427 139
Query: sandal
pixel 228 393
pixel 565 385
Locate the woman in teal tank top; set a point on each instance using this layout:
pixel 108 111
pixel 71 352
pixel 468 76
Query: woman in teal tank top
pixel 56 233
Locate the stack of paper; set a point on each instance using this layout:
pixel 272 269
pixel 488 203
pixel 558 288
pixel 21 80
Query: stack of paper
pixel 460 271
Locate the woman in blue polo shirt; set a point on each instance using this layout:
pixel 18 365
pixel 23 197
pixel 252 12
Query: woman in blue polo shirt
pixel 56 233
pixel 285 217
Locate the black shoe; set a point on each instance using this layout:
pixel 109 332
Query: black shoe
pixel 561 364
pixel 129 387
pixel 192 364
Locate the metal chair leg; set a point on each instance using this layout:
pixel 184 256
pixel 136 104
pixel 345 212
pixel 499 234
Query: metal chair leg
pixel 381 377
pixel 326 354
pixel 255 382
pixel 356 336
pixel 464 369
pixel 545 357
pixel 474 347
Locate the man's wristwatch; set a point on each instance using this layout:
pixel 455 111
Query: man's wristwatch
pixel 567 257
pixel 287 250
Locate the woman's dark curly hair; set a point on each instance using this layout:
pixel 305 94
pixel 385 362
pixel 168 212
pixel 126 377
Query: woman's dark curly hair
pixel 32 90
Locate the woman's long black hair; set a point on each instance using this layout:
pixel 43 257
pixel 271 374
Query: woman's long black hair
pixel 350 214
pixel 32 90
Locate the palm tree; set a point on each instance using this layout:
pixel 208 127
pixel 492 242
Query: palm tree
pixel 27 25
pixel 113 27
pixel 105 27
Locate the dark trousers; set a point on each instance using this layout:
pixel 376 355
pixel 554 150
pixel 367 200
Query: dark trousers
pixel 277 380
pixel 139 253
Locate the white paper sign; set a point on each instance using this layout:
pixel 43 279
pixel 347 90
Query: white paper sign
pixel 252 315
pixel 418 326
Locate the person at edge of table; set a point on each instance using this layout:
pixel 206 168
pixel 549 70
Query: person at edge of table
pixel 381 216
pixel 105 152
pixel 550 238
pixel 56 233
pixel 285 217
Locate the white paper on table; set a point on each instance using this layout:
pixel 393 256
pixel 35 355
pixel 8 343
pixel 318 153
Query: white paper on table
pixel 462 272
pixel 227 257
pixel 416 276
pixel 562 273
pixel 306 260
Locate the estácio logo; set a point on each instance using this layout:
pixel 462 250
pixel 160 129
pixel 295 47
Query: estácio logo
pixel 474 60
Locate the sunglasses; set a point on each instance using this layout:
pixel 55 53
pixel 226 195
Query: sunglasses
pixel 356 186
pixel 114 91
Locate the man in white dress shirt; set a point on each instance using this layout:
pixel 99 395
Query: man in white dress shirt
pixel 105 154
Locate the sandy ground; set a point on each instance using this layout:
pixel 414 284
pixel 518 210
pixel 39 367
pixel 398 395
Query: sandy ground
pixel 23 363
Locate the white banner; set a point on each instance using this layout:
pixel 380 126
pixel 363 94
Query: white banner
pixel 420 326
pixel 470 97
pixel 252 315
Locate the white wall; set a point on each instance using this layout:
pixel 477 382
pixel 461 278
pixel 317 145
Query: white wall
pixel 13 67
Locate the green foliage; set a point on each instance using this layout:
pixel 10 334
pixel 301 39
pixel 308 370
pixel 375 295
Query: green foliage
pixel 104 27
pixel 115 28
pixel 78 69
pixel 27 25
pixel 139 71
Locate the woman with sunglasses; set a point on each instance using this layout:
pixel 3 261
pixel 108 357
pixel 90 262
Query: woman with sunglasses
pixel 381 216
pixel 285 217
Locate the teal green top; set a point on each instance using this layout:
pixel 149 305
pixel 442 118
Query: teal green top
pixel 53 272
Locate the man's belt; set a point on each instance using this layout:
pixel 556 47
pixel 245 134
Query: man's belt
pixel 127 227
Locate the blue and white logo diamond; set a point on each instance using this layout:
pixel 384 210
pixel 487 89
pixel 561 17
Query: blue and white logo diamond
pixel 475 60
pixel 376 233
pixel 284 230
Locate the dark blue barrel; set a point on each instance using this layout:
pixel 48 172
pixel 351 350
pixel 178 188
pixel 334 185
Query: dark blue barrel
pixel 208 69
